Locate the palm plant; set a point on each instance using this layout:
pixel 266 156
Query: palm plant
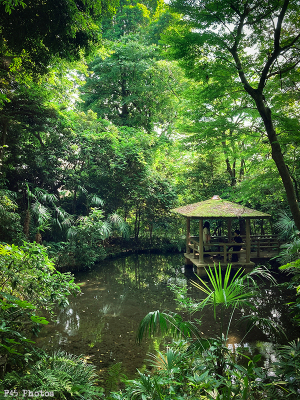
pixel 288 366
pixel 231 293
pixel 289 257
pixel 288 232
pixel 225 292
pixel 286 227
pixel 86 236
pixel 40 206
pixel 146 387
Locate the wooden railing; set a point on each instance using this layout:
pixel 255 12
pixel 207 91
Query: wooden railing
pixel 258 244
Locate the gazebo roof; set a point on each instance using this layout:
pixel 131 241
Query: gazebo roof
pixel 218 208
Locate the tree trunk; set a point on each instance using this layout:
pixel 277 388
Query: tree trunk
pixel 3 142
pixel 151 231
pixel 242 169
pixel 137 223
pixel 27 223
pixel 231 172
pixel 74 201
pixel 277 156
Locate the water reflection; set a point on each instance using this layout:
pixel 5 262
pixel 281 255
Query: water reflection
pixel 102 322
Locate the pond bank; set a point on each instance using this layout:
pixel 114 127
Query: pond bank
pixel 117 247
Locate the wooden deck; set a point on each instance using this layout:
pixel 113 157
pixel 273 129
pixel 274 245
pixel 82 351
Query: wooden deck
pixel 262 248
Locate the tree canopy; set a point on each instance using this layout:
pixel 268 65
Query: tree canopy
pixel 254 42
pixel 49 29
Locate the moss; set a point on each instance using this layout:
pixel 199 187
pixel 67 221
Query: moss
pixel 218 208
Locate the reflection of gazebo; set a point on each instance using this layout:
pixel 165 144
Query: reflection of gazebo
pixel 216 208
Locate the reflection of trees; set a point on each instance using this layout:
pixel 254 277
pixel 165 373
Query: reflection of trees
pixel 270 305
pixel 114 289
pixel 142 270
pixel 69 320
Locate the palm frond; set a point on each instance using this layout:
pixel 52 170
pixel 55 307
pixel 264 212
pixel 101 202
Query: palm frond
pixel 261 272
pixel 167 362
pixel 82 189
pixel 291 350
pixel 56 223
pixel 266 325
pixel 106 229
pixel 286 227
pixel 41 212
pixel 43 195
pixel 146 388
pixel 224 291
pixel 67 375
pixel 114 374
pixel 116 219
pixel 120 224
pixel 95 200
pixel 71 233
pixel 200 345
pixel 61 213
pixel 68 222
pixel 167 323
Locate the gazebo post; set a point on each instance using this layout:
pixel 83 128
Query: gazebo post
pixel 188 227
pixel 201 260
pixel 229 229
pixel 262 232
pixel 248 244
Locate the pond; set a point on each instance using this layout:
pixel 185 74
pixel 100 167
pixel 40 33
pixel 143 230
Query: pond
pixel 102 322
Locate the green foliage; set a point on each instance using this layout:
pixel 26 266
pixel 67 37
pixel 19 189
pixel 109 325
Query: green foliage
pixel 65 375
pixel 132 87
pixel 167 323
pixel 288 366
pixel 28 284
pixel 52 29
pixel 130 17
pixel 12 341
pixel 114 376
pixel 9 218
pixel 27 272
pixel 179 373
pixel 289 258
pixel 86 238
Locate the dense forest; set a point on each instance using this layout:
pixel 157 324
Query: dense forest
pixel 112 113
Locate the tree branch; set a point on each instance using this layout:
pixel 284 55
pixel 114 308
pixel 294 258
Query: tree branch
pixel 277 48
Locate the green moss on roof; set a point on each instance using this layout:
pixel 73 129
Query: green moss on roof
pixel 218 208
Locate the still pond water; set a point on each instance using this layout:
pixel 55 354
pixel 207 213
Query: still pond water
pixel 102 322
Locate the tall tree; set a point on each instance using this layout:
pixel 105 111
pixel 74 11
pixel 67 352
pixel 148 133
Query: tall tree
pixel 257 43
pixel 132 87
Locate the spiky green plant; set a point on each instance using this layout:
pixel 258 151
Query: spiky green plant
pixel 225 291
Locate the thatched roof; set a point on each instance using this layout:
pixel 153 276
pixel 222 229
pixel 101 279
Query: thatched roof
pixel 218 208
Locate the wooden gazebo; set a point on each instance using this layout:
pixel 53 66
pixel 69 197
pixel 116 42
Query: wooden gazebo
pixel 217 208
